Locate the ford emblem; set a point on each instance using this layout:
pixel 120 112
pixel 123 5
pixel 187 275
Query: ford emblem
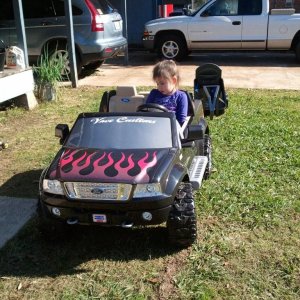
pixel 97 191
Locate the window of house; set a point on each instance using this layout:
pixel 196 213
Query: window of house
pixel 289 3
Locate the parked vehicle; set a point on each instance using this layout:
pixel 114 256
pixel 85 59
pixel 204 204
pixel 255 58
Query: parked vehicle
pixel 225 25
pixel 97 30
pixel 131 164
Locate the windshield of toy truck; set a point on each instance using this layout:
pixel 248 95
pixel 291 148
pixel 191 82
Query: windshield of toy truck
pixel 121 132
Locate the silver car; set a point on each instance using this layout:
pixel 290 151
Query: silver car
pixel 98 30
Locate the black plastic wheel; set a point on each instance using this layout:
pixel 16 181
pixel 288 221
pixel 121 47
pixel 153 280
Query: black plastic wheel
pixel 208 154
pixel 182 221
pixel 172 47
pixel 205 149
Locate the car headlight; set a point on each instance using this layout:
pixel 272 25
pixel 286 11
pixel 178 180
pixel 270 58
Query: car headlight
pixel 147 190
pixel 53 187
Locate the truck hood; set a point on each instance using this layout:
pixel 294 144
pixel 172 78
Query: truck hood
pixel 124 166
pixel 168 21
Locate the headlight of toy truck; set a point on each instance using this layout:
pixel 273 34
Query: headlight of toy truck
pixel 147 190
pixel 53 187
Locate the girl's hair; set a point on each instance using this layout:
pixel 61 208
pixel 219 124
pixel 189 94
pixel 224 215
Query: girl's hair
pixel 166 69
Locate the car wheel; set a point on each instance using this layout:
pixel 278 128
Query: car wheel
pixel 297 52
pixel 182 221
pixel 60 52
pixel 205 149
pixel 172 47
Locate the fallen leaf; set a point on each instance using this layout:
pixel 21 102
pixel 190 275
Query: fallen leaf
pixel 153 280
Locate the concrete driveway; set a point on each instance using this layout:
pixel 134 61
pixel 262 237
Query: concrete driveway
pixel 261 70
pixel 14 213
pixel 240 70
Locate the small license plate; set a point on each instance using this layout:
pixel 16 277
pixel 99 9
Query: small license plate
pixel 99 218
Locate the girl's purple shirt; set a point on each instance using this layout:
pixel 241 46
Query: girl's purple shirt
pixel 177 102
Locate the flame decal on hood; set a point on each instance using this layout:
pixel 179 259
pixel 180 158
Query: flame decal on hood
pixel 108 166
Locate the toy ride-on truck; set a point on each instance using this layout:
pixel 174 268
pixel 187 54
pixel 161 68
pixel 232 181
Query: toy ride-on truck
pixel 127 168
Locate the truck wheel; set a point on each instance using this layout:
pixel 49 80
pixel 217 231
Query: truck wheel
pixel 297 51
pixel 172 47
pixel 205 149
pixel 182 221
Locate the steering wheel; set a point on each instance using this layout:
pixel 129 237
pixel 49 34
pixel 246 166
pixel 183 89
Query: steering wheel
pixel 151 107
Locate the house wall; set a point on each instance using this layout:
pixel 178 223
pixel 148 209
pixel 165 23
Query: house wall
pixel 138 13
pixel 273 3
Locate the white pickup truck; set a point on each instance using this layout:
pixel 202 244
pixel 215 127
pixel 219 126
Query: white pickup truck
pixel 225 25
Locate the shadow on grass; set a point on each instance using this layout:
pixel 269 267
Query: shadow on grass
pixel 30 254
pixel 22 185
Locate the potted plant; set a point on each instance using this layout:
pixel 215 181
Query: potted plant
pixel 48 72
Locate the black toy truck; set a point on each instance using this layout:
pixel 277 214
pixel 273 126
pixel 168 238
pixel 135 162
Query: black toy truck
pixel 135 167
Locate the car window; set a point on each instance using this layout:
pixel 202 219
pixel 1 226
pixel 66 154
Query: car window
pixel 253 7
pixel 223 8
pixel 37 9
pixel 31 9
pixel 121 132
pixel 103 6
pixel 59 9
pixel 7 11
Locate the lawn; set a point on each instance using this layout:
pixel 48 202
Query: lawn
pixel 248 213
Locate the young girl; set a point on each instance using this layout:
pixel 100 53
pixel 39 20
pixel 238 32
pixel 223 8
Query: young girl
pixel 166 76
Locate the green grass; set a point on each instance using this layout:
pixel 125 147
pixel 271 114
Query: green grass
pixel 257 158
pixel 248 213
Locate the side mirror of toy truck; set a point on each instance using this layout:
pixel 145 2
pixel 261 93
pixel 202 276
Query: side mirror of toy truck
pixel 193 133
pixel 62 131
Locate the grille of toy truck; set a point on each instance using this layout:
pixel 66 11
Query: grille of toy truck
pixel 97 191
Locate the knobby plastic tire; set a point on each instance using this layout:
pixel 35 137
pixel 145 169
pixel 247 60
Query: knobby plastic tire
pixel 182 221
pixel 208 153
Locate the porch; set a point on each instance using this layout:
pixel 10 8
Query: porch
pixel 18 85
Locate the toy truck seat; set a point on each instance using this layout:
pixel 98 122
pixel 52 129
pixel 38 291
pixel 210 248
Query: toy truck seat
pixel 209 88
pixel 123 99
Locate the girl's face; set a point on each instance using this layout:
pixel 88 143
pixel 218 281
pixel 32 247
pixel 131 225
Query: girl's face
pixel 166 86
